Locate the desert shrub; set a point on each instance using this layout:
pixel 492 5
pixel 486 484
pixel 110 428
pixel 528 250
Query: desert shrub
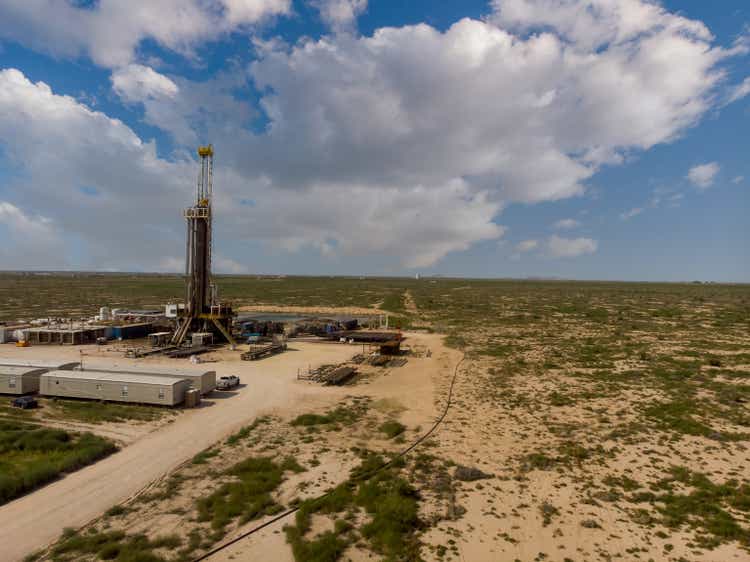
pixel 31 456
pixel 113 545
pixel 392 428
pixel 249 495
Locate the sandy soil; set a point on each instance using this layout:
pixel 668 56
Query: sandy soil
pixel 503 518
pixel 408 393
pixel 409 304
pixel 499 418
pixel 270 385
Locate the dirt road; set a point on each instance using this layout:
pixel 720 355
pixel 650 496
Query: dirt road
pixel 35 520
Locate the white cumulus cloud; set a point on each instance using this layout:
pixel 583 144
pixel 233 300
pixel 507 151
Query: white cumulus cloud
pixel 91 176
pixel 138 83
pixel 418 225
pixel 566 224
pixel 189 111
pixel 635 211
pixel 529 118
pixel 527 245
pixel 703 176
pixel 739 91
pixel 591 24
pixel 340 15
pixel 406 144
pixel 31 241
pixel 223 264
pixel 111 30
pixel 132 218
pixel 559 247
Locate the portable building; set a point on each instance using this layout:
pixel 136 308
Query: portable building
pixel 19 380
pixel 115 387
pixel 205 381
pixel 40 364
pixel 173 310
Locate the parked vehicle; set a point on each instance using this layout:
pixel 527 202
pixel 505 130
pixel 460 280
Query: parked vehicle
pixel 24 402
pixel 227 382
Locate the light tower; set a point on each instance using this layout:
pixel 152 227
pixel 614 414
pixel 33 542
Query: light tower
pixel 203 312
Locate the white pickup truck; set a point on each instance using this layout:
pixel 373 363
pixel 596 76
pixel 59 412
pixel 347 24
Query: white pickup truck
pixel 227 382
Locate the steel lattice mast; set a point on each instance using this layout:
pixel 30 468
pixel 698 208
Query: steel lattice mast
pixel 201 306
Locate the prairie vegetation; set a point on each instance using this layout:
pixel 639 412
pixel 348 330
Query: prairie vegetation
pixel 31 456
pixel 590 421
pixel 35 295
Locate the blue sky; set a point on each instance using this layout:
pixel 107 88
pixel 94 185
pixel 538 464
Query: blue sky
pixel 590 139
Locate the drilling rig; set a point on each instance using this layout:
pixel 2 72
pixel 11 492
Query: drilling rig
pixel 203 312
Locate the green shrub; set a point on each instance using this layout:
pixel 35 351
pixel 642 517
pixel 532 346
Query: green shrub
pixel 203 456
pixel 311 419
pixel 703 505
pixel 113 545
pixel 392 428
pixel 99 412
pixel 31 456
pixel 390 501
pixel 116 511
pixel 249 496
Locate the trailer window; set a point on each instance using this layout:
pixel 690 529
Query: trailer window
pixel 161 394
pixel 12 382
pixel 124 390
pixel 98 387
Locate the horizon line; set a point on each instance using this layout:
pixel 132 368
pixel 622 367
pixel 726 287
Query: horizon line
pixel 433 276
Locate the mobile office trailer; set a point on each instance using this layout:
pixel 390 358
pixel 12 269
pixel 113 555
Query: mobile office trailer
pixel 115 387
pixel 205 381
pixel 19 380
pixel 39 364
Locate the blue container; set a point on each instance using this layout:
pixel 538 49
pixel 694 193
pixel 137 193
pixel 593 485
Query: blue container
pixel 131 331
